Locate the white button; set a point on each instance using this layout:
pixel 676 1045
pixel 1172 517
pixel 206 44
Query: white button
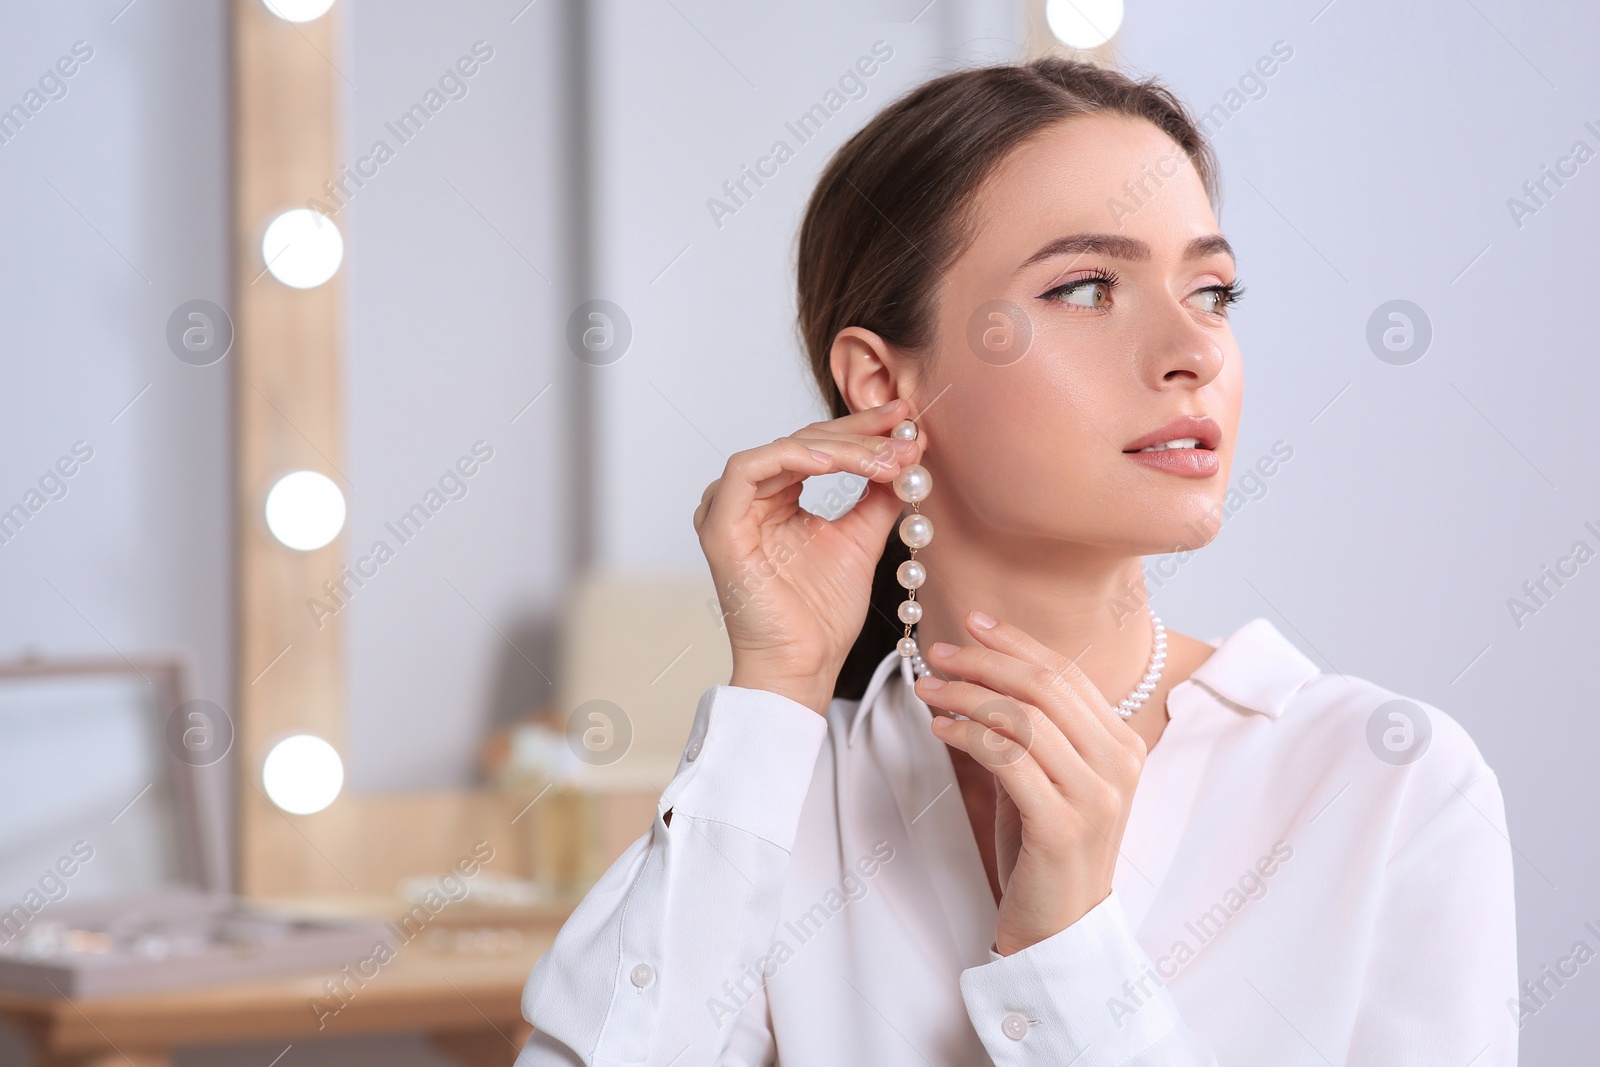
pixel 1014 1025
pixel 644 974
pixel 693 750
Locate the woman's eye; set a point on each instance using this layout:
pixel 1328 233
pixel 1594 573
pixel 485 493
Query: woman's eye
pixel 1089 293
pixel 1215 299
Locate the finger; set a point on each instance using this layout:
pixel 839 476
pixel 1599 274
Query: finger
pixel 869 516
pixel 875 462
pixel 876 420
pixel 884 445
pixel 1019 773
pixel 710 493
pixel 869 519
pixel 873 427
pixel 1042 686
pixel 771 487
pixel 1017 642
pixel 736 489
pixel 705 503
pixel 877 457
pixel 1024 723
pixel 1028 783
pixel 863 465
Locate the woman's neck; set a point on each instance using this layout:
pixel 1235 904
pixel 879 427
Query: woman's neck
pixel 1091 610
pixel 1086 605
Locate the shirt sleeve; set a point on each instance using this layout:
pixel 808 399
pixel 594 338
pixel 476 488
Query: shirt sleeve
pixel 1047 1003
pixel 1440 985
pixel 660 962
pixel 1441 982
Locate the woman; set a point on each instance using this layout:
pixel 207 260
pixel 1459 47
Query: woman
pixel 865 860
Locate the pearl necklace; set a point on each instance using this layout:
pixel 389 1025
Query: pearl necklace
pixel 1130 704
pixel 913 485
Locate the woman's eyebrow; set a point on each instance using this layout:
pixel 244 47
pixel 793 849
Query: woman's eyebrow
pixel 1208 245
pixel 1120 247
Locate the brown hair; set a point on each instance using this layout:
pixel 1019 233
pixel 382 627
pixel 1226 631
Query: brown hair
pixel 891 213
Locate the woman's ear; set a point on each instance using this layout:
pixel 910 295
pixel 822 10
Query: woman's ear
pixel 865 368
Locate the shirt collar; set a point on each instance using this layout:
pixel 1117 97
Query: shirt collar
pixel 894 664
pixel 1255 668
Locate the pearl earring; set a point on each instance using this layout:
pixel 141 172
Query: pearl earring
pixel 912 485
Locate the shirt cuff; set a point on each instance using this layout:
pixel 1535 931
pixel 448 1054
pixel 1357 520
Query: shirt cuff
pixel 1087 995
pixel 748 762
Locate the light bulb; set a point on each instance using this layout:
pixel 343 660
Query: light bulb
pixel 298 10
pixel 302 248
pixel 302 774
pixel 1083 23
pixel 305 510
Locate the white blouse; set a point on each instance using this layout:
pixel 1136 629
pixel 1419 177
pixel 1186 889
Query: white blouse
pixel 1313 872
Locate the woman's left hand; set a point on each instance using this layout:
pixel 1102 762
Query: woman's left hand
pixel 1068 764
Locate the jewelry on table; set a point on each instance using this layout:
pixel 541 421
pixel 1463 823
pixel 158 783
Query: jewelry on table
pixel 912 485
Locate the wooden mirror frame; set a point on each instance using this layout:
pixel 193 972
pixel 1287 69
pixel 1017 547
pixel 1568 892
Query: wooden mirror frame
pixel 288 415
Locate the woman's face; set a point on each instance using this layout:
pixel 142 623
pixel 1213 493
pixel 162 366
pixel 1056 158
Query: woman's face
pixel 1089 312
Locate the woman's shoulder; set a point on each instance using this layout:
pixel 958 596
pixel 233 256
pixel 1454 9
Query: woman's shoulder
pixel 1260 673
pixel 1379 724
pixel 1404 765
pixel 1321 733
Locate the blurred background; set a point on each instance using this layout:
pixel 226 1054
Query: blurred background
pixel 365 362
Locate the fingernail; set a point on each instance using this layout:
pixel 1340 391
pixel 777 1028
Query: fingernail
pixel 982 621
pixel 890 404
pixel 821 456
pixel 942 649
pixel 929 681
pixel 899 445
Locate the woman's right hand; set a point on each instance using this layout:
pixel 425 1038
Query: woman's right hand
pixel 794 586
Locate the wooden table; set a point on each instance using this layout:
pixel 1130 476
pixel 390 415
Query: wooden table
pixel 469 1004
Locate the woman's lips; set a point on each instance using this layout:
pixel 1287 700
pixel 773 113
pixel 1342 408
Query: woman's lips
pixel 1184 462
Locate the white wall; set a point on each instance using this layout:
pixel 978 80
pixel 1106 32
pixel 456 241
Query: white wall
pixel 115 212
pixel 453 331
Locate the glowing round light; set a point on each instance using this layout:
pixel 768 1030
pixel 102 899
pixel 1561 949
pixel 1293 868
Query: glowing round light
pixel 1083 23
pixel 298 10
pixel 302 248
pixel 302 774
pixel 305 510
